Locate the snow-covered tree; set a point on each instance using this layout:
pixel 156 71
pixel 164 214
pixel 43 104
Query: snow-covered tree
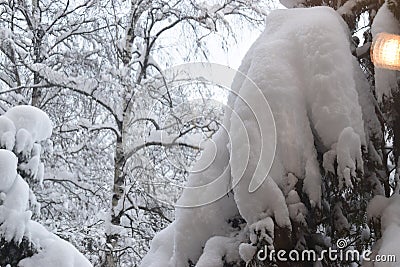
pixel 334 175
pixel 25 242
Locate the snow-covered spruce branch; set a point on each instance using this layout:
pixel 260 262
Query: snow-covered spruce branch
pixel 22 129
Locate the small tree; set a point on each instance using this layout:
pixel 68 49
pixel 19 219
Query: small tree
pixel 24 242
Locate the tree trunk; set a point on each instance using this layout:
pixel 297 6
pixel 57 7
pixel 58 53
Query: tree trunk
pixel 38 34
pixel 118 194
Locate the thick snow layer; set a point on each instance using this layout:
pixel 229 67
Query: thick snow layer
pixel 18 196
pixel 302 66
pixel 314 106
pixel 32 119
pixel 349 156
pixel 8 169
pixel 216 249
pixel 194 226
pixel 53 251
pixel 161 249
pixel 385 80
pixel 23 141
pixel 32 167
pixel 13 213
pixel 20 128
pixel 184 239
pixel 14 224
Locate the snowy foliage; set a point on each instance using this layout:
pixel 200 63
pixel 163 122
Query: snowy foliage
pixel 316 111
pixel 29 126
pixel 329 159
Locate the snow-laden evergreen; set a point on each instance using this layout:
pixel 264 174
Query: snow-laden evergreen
pixel 21 130
pixel 303 65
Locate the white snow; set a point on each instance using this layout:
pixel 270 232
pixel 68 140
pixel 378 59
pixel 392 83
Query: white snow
pixel 314 106
pixel 291 3
pixel 21 128
pixel 13 212
pixel 247 252
pixel 32 167
pixel 161 248
pixel 301 69
pixel 53 251
pixel 18 196
pixel 216 248
pixel 8 140
pixel 23 141
pixel 7 133
pixel 32 119
pixel 349 156
pixel 195 226
pixel 262 230
pixel 14 224
pixel 385 80
pixel 8 169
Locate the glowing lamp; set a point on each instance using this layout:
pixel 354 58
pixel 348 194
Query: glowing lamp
pixel 385 51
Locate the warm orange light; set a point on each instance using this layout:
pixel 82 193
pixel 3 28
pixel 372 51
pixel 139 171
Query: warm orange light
pixel 385 51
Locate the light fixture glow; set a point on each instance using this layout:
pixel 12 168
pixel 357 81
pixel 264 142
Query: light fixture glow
pixel 385 51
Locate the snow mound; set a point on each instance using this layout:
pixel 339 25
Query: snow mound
pixel 32 119
pixel 14 215
pixel 302 65
pixel 21 130
pixel 313 107
pixel 53 251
